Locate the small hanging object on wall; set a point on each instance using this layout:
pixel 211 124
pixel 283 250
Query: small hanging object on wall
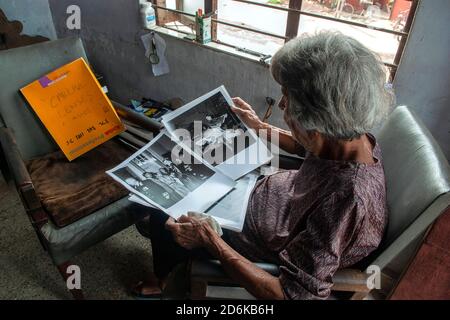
pixel 11 37
pixel 155 51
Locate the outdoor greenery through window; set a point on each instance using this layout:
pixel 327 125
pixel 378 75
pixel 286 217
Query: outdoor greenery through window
pixel 261 27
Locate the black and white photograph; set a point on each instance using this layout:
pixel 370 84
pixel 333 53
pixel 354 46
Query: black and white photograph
pixel 230 210
pixel 220 127
pixel 218 134
pixel 166 181
pixel 214 128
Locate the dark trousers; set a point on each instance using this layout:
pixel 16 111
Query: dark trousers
pixel 167 254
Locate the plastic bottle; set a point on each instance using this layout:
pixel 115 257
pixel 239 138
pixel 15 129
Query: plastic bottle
pixel 148 15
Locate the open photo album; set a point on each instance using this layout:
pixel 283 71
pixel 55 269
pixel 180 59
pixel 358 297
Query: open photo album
pixel 204 161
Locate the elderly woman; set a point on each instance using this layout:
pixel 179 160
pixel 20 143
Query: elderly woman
pixel 331 212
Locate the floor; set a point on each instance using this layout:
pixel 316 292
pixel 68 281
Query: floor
pixel 108 269
pixel 428 275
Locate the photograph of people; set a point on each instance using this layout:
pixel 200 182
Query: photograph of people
pixel 217 133
pixel 150 185
pixel 155 176
pixel 151 188
pixel 213 127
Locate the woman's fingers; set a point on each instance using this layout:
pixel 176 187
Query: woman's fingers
pixel 171 224
pixel 184 234
pixel 241 104
pixel 238 111
pixel 185 231
pixel 184 219
pixel 243 113
pixel 246 113
pixel 183 224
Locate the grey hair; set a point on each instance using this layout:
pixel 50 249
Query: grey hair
pixel 335 85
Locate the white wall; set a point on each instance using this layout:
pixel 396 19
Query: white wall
pixel 423 78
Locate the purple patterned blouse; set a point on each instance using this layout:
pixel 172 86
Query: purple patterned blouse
pixel 325 216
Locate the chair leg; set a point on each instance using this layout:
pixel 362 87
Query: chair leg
pixel 76 293
pixel 359 296
pixel 198 289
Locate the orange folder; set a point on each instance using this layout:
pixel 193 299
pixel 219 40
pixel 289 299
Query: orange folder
pixel 73 107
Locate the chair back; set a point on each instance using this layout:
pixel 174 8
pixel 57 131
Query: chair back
pixel 416 170
pixel 18 68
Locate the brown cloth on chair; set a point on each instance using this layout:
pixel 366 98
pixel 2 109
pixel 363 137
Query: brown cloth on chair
pixel 72 190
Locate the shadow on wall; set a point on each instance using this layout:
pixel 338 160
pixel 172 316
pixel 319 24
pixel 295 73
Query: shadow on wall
pixel 10 34
pixel 35 16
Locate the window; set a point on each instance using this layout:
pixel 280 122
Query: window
pixel 260 27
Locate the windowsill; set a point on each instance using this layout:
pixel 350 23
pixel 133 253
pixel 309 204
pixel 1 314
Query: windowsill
pixel 211 45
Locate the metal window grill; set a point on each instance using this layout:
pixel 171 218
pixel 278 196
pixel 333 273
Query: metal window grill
pixel 292 25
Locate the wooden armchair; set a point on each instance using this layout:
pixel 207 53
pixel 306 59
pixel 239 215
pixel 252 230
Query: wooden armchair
pixel 22 137
pixel 418 191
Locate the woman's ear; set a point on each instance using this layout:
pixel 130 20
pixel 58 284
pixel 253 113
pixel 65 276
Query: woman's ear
pixel 313 135
pixel 316 141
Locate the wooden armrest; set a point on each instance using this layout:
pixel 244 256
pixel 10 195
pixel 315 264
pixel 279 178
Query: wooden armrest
pixel 13 158
pixel 22 178
pixel 137 118
pixel 351 280
pixel 210 271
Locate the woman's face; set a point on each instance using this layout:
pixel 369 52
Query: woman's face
pixel 298 132
pixel 283 104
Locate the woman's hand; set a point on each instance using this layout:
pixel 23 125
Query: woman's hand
pixel 247 114
pixel 190 232
pixel 285 140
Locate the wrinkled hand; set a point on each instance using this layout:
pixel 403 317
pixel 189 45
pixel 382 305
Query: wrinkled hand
pixel 190 232
pixel 247 114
